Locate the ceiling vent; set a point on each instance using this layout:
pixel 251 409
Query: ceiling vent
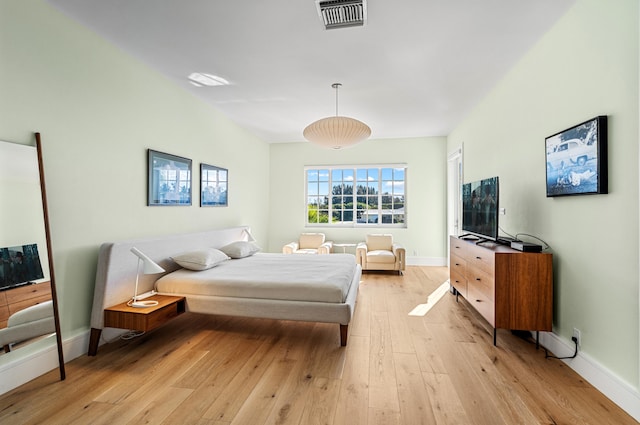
pixel 342 13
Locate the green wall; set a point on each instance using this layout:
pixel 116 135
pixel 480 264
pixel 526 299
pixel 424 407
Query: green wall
pixel 98 110
pixel 425 190
pixel 587 65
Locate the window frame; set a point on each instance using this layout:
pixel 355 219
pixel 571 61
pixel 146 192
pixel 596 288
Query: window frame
pixel 354 168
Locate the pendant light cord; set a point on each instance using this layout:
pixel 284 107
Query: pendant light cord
pixel 336 86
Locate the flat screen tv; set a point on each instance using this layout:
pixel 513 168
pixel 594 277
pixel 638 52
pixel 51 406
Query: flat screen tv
pixel 19 265
pixel 480 209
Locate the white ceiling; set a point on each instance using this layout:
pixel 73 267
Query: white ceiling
pixel 416 68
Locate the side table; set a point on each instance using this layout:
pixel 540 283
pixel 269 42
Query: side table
pixel 344 246
pixel 122 316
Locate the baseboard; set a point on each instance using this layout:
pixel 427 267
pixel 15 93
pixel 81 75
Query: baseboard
pixel 608 383
pixel 33 363
pixel 426 261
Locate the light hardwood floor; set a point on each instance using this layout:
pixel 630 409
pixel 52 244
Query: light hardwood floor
pixel 441 368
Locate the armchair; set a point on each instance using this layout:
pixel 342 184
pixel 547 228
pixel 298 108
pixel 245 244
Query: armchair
pixel 28 323
pixel 380 253
pixel 309 243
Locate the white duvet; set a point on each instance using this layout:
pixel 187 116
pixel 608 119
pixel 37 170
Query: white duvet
pixel 319 278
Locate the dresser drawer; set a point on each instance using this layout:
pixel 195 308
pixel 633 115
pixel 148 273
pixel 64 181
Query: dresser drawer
pixel 457 246
pixel 458 281
pixel 22 293
pixel 457 263
pixel 480 258
pixel 482 304
pixel 483 283
pixel 4 316
pixel 21 305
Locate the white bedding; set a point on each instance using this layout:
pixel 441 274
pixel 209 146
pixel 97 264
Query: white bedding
pixel 317 278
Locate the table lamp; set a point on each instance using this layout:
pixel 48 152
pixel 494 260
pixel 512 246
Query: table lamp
pixel 149 267
pixel 250 237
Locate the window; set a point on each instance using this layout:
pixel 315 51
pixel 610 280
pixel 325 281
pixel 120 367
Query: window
pixel 354 196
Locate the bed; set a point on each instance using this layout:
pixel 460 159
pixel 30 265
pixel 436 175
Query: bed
pixel 262 285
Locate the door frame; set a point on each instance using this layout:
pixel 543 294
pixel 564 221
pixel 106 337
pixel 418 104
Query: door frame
pixel 455 168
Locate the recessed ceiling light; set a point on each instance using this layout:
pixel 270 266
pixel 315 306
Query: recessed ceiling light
pixel 200 79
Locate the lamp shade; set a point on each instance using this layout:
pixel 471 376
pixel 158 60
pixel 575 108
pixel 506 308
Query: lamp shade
pixel 336 132
pixel 250 237
pixel 149 266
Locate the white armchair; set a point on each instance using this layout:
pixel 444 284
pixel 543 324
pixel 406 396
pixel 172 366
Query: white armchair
pixel 380 253
pixel 309 243
pixel 28 323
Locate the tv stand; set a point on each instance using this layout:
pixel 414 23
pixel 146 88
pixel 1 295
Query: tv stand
pixel 510 289
pixel 483 240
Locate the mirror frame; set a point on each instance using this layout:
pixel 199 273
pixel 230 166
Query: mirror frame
pixel 40 180
pixel 47 230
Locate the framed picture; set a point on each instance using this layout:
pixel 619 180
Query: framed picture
pixel 577 159
pixel 169 179
pixel 214 186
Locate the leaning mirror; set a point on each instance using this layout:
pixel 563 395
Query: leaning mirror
pixel 29 320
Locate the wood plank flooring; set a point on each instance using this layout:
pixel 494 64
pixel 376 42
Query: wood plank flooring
pixel 440 368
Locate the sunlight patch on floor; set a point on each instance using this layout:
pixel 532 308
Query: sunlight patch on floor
pixel 422 309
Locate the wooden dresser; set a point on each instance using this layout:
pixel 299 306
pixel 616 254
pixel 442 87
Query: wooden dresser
pixel 510 289
pixel 13 300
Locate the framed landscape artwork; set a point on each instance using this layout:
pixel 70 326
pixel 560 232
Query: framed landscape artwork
pixel 214 186
pixel 169 179
pixel 577 159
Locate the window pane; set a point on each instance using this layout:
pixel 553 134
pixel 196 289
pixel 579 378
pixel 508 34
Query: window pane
pixel 347 216
pixel 336 175
pixel 337 189
pixel 348 189
pixel 387 174
pixel 347 174
pixel 387 202
pixel 323 175
pixel 312 175
pixel 323 188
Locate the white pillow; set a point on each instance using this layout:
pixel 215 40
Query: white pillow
pixel 200 260
pixel 240 249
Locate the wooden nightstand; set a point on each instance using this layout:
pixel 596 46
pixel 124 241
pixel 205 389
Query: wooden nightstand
pixel 144 319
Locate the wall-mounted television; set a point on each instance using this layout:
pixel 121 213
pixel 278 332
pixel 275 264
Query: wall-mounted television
pixel 480 209
pixel 19 265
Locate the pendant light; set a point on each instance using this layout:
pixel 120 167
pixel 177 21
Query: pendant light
pixel 336 132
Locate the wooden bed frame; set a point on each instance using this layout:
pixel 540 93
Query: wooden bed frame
pixel 116 273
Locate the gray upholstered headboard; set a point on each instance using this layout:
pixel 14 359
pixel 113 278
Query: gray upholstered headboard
pixel 116 273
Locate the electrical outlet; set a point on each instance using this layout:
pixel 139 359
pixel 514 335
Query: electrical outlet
pixel 577 335
pixel 502 211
